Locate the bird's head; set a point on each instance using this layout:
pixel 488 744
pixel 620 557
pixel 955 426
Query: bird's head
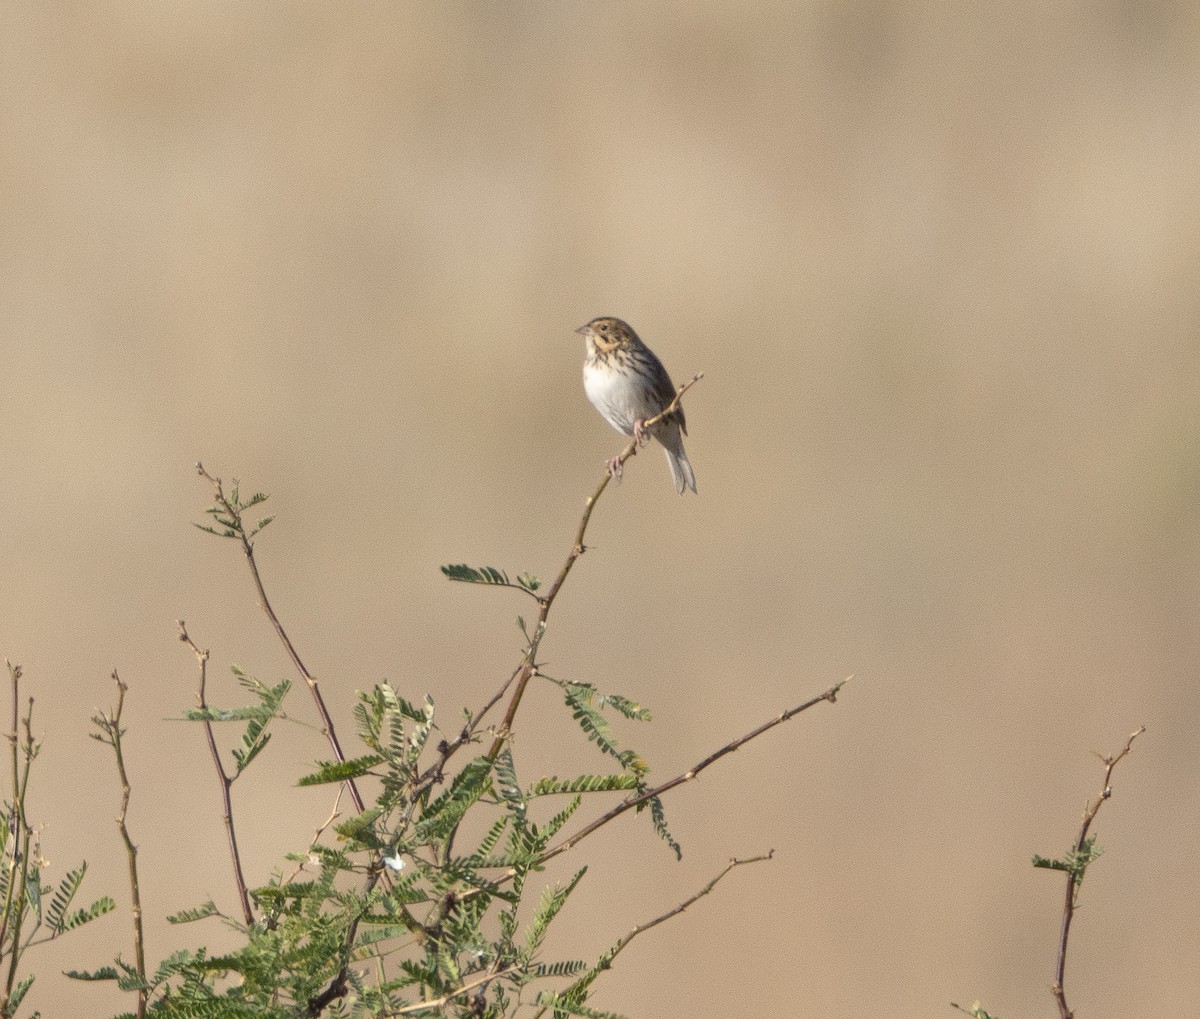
pixel 605 334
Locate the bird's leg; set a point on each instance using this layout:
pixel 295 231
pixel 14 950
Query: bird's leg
pixel 615 469
pixel 640 435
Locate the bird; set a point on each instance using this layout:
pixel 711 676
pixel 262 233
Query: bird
pixel 628 385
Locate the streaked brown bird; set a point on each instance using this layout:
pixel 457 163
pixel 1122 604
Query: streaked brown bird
pixel 628 385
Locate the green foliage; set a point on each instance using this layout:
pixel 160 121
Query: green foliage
pixel 586 704
pixel 227 516
pixel 341 771
pixel 1074 862
pixel 526 582
pixel 396 913
pixel 31 913
pixel 584 784
pixel 201 912
pixel 256 716
pixel 428 900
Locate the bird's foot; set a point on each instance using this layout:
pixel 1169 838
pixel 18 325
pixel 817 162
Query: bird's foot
pixel 640 435
pixel 615 468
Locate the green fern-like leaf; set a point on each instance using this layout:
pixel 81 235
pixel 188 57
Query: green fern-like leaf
pixel 200 912
pixel 86 915
pixel 628 708
pixel 563 1007
pixel 553 900
pixel 63 896
pixel 584 784
pixel 489 840
pixel 18 995
pixel 565 968
pixel 361 829
pixel 1074 862
pixel 341 771
pixel 595 726
pixel 173 964
pixel 506 781
pixel 526 582
pixel 444 813
pixel 470 575
pixel 659 817
pixel 103 973
pixel 555 824
pixel 33 894
pixel 210 714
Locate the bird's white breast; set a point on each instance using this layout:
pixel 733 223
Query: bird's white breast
pixel 612 395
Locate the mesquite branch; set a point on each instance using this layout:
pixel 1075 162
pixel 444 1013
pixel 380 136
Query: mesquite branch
pixel 525 670
pixel 223 778
pixel 111 733
pixel 1075 875
pixel 236 529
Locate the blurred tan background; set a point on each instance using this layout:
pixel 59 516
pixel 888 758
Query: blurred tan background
pixel 939 265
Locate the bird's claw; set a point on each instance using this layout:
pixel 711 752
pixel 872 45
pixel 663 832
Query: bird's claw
pixel 615 468
pixel 640 435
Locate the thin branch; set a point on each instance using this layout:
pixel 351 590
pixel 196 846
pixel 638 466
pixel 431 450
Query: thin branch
pixel 675 911
pixel 612 953
pixel 1075 875
pixel 423 1006
pixel 333 816
pixel 14 824
pixel 223 778
pixel 110 726
pixel 239 531
pixel 19 836
pixel 525 670
pixel 829 695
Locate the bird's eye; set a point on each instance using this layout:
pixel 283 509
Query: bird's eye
pixel 604 328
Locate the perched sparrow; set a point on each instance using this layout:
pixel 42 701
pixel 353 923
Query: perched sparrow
pixel 628 385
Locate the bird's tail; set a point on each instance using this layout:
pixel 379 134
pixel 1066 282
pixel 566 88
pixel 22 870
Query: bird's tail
pixel 681 467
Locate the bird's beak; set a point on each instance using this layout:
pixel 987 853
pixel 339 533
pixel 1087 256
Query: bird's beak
pixel 584 330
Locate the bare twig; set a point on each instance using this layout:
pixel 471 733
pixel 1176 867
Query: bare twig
pixel 110 727
pixel 333 815
pixel 234 514
pixel 526 668
pixel 612 953
pixel 13 854
pixel 829 695
pixel 17 861
pixel 423 1006
pixel 1075 874
pixel 223 778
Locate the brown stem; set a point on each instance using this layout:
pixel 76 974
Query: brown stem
pixel 829 695
pixel 525 670
pixel 20 836
pixel 248 548
pixel 673 912
pixel 225 781
pixel 422 1006
pixel 1075 877
pixel 111 726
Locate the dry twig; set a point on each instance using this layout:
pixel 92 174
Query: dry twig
pixel 1075 875
pixel 234 514
pixel 112 732
pixel 222 777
